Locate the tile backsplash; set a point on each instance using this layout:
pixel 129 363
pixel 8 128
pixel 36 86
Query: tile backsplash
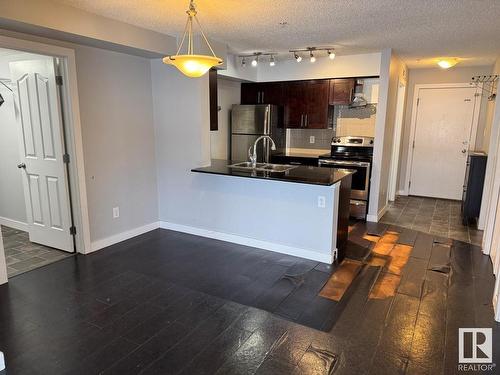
pixel 345 121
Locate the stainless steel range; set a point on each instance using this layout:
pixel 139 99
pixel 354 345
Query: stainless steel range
pixel 353 153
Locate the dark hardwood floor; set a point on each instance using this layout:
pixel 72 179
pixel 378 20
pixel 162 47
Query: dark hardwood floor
pixel 172 303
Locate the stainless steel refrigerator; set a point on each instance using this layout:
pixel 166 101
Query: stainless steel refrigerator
pixel 248 122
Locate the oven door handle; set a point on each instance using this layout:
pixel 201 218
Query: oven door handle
pixel 345 163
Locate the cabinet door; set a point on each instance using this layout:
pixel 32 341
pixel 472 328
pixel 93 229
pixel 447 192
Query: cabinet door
pixel 250 93
pixel 317 104
pixel 271 93
pixel 341 91
pixel 295 104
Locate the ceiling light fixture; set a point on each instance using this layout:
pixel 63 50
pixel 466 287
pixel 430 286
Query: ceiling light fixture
pixel 271 61
pixel 312 59
pixel 297 57
pixel 447 63
pixel 255 61
pixel 331 54
pixel 190 64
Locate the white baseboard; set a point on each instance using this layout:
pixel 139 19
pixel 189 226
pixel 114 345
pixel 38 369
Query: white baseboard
pixel 108 241
pixel 376 218
pixel 247 241
pixel 19 225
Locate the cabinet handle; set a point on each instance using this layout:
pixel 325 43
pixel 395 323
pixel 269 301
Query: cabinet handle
pixel 295 163
pixel 262 97
pixel 258 97
pixel 301 120
pixel 306 122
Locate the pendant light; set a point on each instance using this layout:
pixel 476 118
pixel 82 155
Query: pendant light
pixel 190 64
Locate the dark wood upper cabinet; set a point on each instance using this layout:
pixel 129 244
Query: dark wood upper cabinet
pixel 306 104
pixel 341 91
pixel 317 105
pixel 295 104
pixel 214 106
pixel 262 93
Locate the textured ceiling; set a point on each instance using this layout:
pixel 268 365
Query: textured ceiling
pixel 415 29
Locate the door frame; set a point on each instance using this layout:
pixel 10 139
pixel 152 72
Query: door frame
pixel 396 146
pixel 413 123
pixel 72 128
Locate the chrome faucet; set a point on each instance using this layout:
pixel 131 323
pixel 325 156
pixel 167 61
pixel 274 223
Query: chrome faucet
pixel 253 155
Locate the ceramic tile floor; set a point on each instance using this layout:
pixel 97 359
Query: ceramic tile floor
pixel 439 217
pixel 22 255
pixel 170 303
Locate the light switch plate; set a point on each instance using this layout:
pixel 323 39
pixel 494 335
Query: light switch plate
pixel 312 139
pixel 321 201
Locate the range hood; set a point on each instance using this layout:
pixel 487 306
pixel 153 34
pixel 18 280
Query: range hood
pixel 359 98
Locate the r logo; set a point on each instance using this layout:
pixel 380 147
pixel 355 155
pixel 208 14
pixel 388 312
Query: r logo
pixel 475 345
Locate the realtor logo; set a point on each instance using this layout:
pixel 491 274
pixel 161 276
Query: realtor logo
pixel 475 345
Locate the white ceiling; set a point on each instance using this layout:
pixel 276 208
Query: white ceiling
pixel 416 29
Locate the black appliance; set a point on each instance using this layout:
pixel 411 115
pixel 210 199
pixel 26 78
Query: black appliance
pixel 356 153
pixel 473 187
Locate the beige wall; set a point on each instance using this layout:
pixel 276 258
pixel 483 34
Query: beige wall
pixel 438 75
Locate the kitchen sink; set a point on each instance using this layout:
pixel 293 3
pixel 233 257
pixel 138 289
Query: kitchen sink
pixel 265 167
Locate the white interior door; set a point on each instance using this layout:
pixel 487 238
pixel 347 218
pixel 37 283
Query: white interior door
pixel 42 147
pixel 441 141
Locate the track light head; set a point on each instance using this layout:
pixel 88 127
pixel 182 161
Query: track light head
pixel 331 55
pixel 255 61
pixel 313 59
pixel 297 57
pixel 243 62
pixel 272 62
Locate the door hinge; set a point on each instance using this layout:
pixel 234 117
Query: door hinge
pixel 409 184
pixel 478 94
pixel 418 101
pixel 413 144
pixel 66 158
pixel 72 230
pixel 59 80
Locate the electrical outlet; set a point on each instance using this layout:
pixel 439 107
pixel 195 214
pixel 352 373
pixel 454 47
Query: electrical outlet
pixel 321 201
pixel 116 212
pixel 312 139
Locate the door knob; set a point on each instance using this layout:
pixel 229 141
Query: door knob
pixel 21 165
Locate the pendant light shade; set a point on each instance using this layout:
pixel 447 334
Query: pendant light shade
pixel 190 64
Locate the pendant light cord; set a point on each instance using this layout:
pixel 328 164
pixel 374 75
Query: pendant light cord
pixel 188 29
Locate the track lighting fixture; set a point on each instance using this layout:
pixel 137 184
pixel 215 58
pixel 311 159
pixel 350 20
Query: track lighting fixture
pixel 255 61
pixel 271 61
pixel 331 54
pixel 243 62
pixel 297 57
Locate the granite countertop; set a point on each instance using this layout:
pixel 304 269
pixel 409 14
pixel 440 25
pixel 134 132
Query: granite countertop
pixel 303 153
pixel 299 174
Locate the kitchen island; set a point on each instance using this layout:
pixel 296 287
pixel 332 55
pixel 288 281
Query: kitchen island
pixel 303 211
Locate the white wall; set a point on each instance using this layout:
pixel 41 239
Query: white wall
pixel 236 207
pixel 116 113
pixel 12 206
pixel 456 74
pixel 116 108
pixel 55 20
pixel 343 66
pixel 3 266
pixel 228 93
pixel 492 131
